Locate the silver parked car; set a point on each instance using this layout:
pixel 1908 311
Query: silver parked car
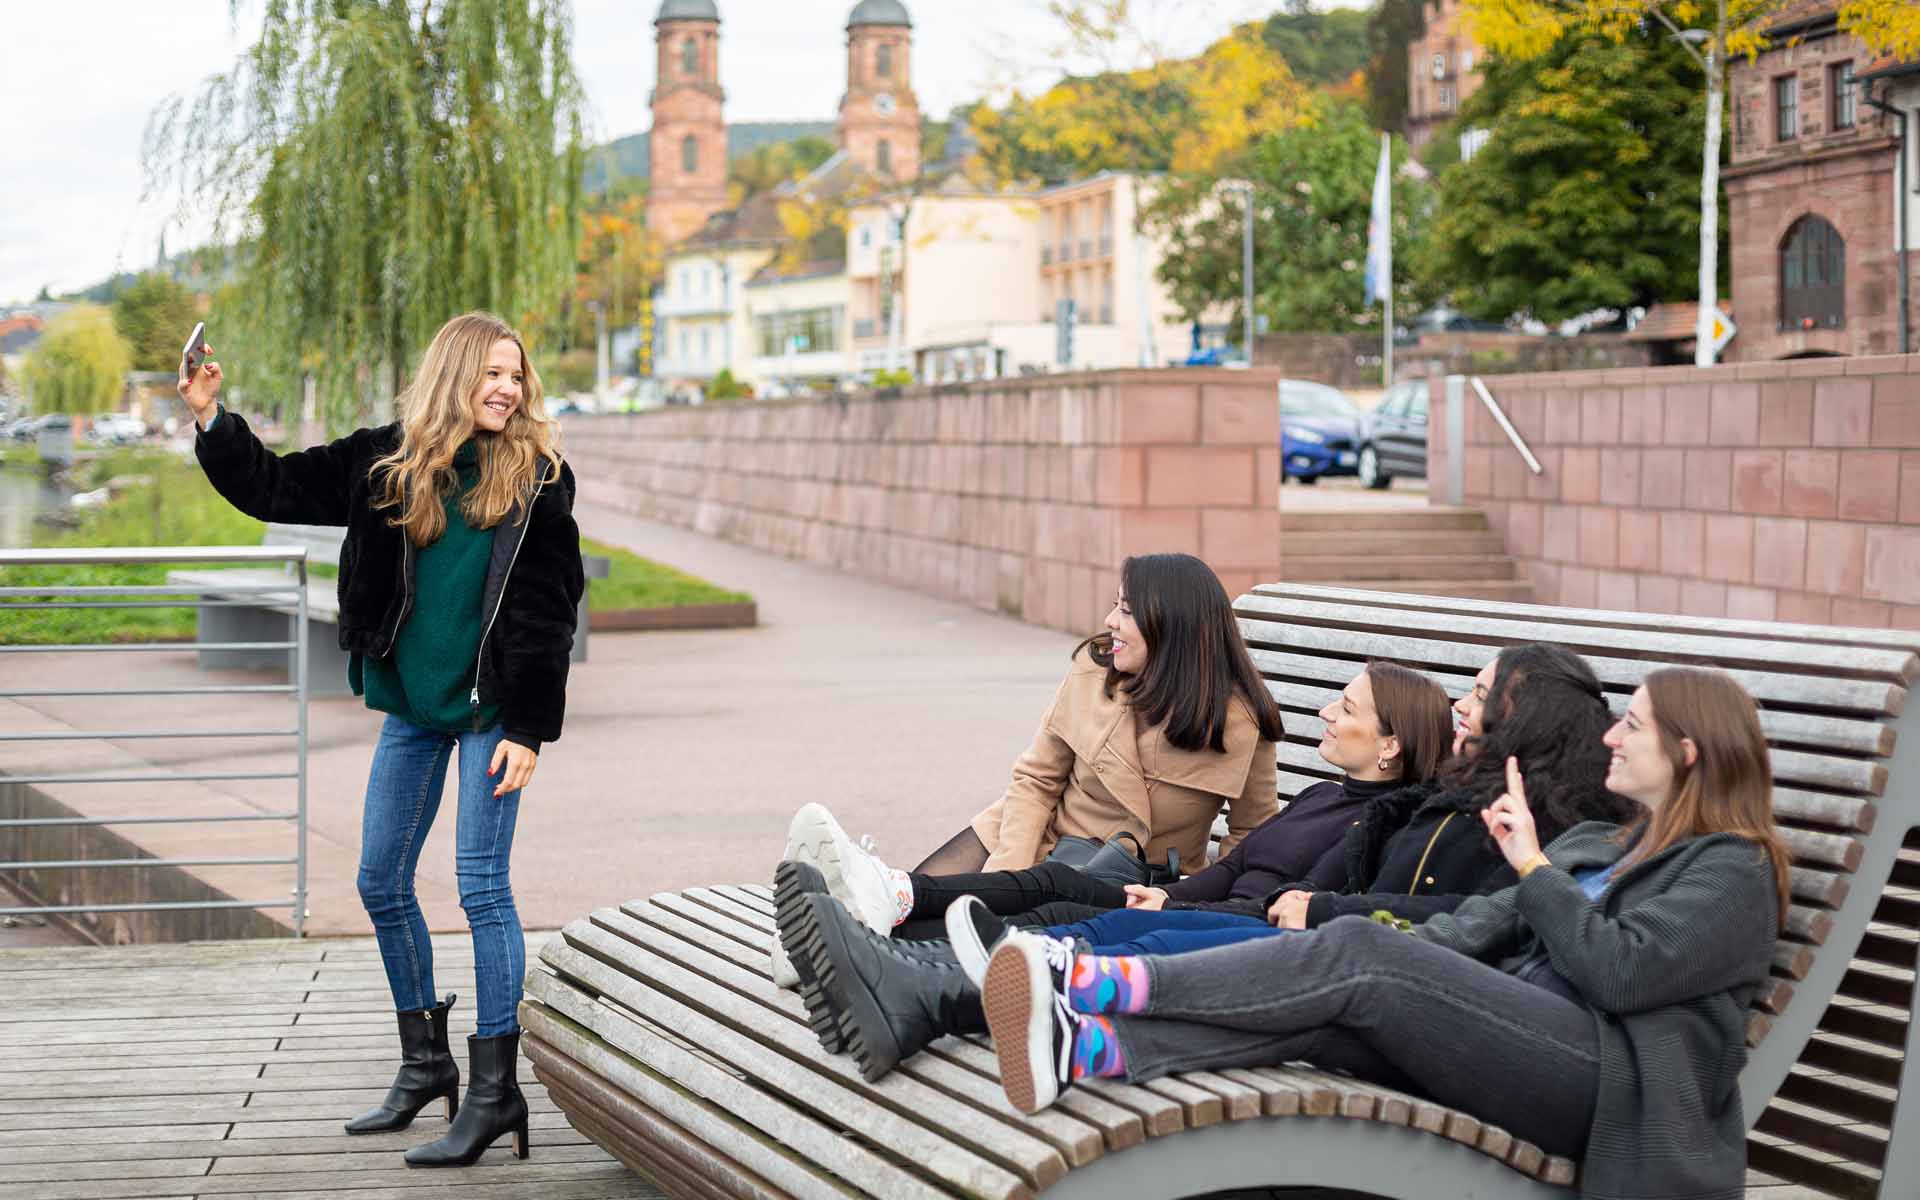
pixel 1394 441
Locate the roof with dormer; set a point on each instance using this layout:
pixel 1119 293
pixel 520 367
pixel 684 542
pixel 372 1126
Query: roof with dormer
pixel 879 12
pixel 687 10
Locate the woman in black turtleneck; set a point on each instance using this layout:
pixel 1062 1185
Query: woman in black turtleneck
pixel 1387 730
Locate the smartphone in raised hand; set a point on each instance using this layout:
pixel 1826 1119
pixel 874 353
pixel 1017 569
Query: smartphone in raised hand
pixel 195 352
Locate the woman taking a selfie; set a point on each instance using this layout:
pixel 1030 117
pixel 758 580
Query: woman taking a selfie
pixel 459 579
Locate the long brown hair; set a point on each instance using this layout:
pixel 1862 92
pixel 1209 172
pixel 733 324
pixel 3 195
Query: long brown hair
pixel 1414 708
pixel 1729 786
pixel 436 417
pixel 1196 659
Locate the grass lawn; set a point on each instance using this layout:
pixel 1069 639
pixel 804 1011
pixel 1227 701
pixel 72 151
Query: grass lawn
pixel 177 508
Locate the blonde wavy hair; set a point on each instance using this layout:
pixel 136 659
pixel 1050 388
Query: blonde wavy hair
pixel 436 417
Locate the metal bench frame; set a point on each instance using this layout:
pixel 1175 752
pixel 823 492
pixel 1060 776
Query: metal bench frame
pixel 657 1029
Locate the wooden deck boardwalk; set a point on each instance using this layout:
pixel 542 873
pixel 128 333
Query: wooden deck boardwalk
pixel 225 1069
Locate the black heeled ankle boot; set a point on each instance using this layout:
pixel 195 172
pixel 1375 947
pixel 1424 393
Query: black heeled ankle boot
pixel 888 1004
pixel 494 1106
pixel 427 1073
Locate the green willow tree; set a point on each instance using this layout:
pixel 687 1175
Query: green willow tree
pixel 1587 193
pixel 382 166
pixel 80 363
pixel 155 314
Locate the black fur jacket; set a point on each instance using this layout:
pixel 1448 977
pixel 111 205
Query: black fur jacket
pixel 524 653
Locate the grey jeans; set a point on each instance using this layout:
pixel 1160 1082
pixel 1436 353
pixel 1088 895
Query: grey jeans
pixel 1384 1006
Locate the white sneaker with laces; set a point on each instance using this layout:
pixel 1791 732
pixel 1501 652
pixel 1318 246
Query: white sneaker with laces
pixel 854 873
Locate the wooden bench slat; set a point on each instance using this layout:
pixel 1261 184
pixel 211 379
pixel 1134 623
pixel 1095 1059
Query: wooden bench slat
pixel 1076 1142
pixel 718 1119
pixel 1834 1179
pixel 1277 1099
pixel 1240 1102
pixel 1892 639
pixel 638 1135
pixel 1865 662
pixel 1198 1106
pixel 1276 652
pixel 750 1103
pixel 663 964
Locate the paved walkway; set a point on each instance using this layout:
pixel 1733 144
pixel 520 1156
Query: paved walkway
pixel 684 753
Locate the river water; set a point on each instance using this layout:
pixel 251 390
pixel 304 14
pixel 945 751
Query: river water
pixel 24 492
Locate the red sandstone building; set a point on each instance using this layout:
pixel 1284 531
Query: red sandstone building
pixel 1816 194
pixel 878 128
pixel 1443 69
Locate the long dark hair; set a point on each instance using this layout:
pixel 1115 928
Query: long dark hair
pixel 1196 659
pixel 1413 707
pixel 1546 709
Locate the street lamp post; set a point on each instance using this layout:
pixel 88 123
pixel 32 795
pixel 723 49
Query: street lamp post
pixel 1705 47
pixel 1245 188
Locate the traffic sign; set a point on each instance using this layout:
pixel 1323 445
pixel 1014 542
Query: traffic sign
pixel 1723 331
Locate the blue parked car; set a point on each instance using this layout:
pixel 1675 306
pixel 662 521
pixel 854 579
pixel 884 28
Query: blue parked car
pixel 1320 431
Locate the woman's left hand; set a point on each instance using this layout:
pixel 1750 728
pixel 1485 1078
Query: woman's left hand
pixel 1290 910
pixel 520 763
pixel 1510 821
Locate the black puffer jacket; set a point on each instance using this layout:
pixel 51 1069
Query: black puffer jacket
pixel 525 650
pixel 1415 853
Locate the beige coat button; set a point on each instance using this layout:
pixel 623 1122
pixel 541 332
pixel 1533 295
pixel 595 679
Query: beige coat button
pixel 1429 881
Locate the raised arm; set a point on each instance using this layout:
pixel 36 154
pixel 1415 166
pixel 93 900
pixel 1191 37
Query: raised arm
pixel 307 487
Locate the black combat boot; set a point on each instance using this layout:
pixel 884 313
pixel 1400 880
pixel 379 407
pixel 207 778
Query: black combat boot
pixel 494 1106
pixel 887 1003
pixel 427 1073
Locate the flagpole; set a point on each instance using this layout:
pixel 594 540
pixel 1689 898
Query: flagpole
pixel 1386 238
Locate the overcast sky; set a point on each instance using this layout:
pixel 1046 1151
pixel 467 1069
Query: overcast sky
pixel 78 79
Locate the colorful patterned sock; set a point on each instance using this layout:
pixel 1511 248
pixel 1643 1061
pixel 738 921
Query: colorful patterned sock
pixel 902 893
pixel 1107 983
pixel 1096 1052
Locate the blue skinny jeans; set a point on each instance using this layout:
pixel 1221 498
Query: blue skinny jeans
pixel 403 794
pixel 1168 931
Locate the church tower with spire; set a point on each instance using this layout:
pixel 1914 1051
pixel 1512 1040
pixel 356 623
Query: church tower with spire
pixel 879 118
pixel 687 150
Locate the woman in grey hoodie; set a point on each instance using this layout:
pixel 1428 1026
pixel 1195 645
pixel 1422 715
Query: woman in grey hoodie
pixel 1598 1008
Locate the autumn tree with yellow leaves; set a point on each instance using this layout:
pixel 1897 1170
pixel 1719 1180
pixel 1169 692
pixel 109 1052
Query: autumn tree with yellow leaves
pixel 1187 115
pixel 1712 31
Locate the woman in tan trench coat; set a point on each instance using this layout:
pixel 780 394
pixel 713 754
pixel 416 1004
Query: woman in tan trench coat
pixel 1161 720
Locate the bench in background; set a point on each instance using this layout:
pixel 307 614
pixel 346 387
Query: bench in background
pixel 272 620
pixel 657 1029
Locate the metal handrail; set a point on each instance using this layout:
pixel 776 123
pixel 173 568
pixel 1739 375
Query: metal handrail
pixel 1506 426
pixel 291 595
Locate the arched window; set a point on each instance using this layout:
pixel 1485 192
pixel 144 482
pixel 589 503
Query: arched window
pixel 690 57
pixel 883 157
pixel 883 60
pixel 689 154
pixel 1813 276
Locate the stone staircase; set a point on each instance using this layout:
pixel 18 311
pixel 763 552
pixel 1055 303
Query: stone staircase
pixel 1430 551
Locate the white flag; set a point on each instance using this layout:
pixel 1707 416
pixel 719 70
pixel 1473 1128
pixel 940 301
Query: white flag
pixel 1380 227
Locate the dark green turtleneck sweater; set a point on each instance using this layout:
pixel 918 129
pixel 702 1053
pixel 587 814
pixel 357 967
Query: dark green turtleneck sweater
pixel 428 679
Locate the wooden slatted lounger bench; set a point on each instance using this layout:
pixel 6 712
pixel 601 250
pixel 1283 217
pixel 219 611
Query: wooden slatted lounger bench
pixel 657 1029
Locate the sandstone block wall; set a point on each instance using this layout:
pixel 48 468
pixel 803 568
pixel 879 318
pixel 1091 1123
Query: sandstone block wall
pixel 1786 490
pixel 1016 495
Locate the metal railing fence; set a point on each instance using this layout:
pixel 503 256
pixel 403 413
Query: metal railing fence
pixel 290 596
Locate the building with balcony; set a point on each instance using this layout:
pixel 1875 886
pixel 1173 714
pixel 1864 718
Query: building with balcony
pixel 1443 69
pixel 979 278
pixel 1816 193
pixel 800 336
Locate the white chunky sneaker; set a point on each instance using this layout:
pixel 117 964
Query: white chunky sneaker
pixel 855 876
pixel 784 976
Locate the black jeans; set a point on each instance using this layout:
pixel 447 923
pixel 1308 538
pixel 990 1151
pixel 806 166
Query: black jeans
pixel 1358 997
pixel 1008 893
